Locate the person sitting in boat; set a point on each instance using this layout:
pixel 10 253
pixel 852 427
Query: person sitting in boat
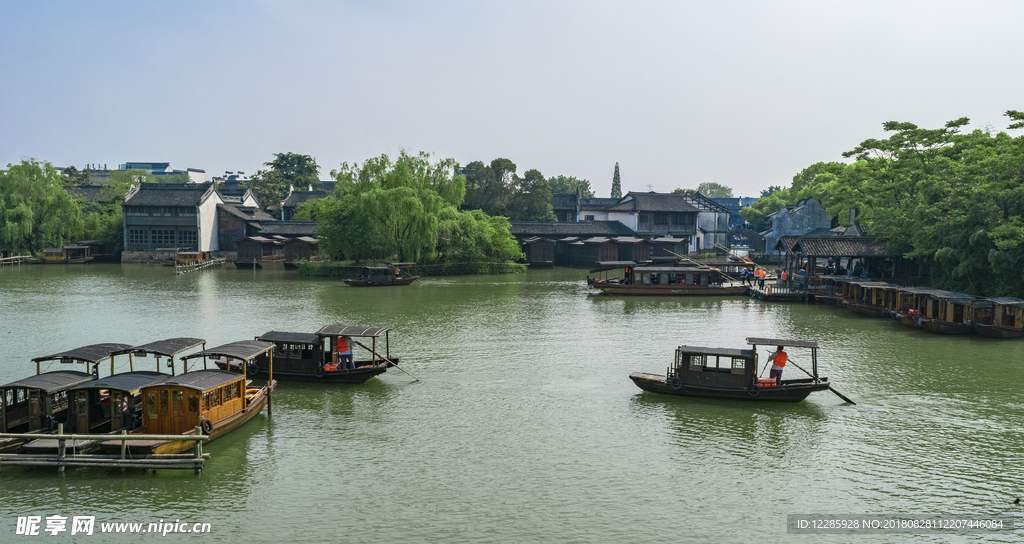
pixel 778 359
pixel 345 352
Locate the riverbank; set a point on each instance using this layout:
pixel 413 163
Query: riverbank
pixel 348 270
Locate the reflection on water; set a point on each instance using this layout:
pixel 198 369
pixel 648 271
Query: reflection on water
pixel 525 426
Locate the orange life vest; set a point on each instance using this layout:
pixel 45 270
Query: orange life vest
pixel 342 345
pixel 780 359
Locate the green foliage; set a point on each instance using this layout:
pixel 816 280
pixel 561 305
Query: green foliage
pixel 473 236
pixel 616 183
pixel 568 185
pixel 300 171
pixel 490 187
pixel 771 189
pixel 711 189
pixel 532 199
pixel 269 187
pixel 36 212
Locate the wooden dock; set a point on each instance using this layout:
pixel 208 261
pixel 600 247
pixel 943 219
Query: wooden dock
pixel 774 292
pixel 14 260
pixel 183 268
pixel 194 461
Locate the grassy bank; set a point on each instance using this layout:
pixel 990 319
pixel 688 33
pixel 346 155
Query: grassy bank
pixel 347 269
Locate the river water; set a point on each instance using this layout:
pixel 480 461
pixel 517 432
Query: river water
pixel 525 426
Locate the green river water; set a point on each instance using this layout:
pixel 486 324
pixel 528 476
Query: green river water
pixel 525 426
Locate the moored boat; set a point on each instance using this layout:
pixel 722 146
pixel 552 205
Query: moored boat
pixel 665 280
pixel 1004 318
pixel 938 311
pixel 726 373
pixel 213 400
pixel 872 298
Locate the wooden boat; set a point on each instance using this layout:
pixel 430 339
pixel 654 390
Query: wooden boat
pixel 1004 318
pixel 39 403
pixel 938 311
pixel 731 374
pixel 871 298
pixel 108 405
pixel 312 357
pixel 213 400
pixel 665 280
pixel 69 254
pixel 381 276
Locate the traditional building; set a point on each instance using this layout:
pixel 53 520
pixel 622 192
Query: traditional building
pixel 169 215
pixel 798 219
pixel 712 223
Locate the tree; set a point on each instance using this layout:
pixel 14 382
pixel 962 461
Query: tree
pixel 771 189
pixel 711 189
pixel 569 185
pixel 269 187
pixel 532 199
pixel 490 187
pixel 616 184
pixel 299 171
pixel 77 177
pixel 36 211
pixel 473 236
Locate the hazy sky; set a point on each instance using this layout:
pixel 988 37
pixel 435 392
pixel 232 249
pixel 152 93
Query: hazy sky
pixel 745 94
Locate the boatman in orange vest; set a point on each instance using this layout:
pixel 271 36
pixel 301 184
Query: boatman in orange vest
pixel 778 359
pixel 345 352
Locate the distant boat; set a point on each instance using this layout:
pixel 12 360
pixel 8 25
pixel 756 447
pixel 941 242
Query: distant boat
pixel 381 276
pixel 1004 318
pixel 665 280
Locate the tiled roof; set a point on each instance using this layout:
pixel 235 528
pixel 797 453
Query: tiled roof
pixel 842 246
pixel 563 202
pixel 245 213
pixel 168 194
pixel 587 228
pixel 597 203
pixel 290 229
pixel 653 202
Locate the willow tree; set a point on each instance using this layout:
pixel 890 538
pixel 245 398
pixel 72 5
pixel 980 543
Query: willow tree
pixel 36 211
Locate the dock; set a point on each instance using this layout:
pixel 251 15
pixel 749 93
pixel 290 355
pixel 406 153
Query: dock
pixel 192 267
pixel 14 260
pixel 774 292
pixel 192 461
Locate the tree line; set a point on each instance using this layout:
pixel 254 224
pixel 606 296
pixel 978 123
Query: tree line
pixel 954 198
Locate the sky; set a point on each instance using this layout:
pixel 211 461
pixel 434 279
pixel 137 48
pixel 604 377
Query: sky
pixel 741 93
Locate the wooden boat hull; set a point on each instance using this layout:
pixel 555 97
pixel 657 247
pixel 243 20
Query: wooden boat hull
pixel 869 310
pixel 220 428
pixel 399 281
pixel 790 391
pixel 619 289
pixel 999 331
pixel 357 375
pixel 945 327
pixel 826 299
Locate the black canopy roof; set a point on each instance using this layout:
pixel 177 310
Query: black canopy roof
pixel 200 380
pixel 350 330
pixel 51 382
pixel 90 354
pixel 291 337
pixel 777 342
pixel 126 381
pixel 725 352
pixel 244 350
pixel 167 348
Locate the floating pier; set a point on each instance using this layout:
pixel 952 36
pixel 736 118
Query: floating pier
pixel 14 260
pixel 193 461
pixel 192 267
pixel 777 293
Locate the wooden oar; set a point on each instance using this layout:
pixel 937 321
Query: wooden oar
pixel 389 361
pixel 840 395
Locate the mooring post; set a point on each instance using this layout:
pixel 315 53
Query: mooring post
pixel 124 446
pixel 61 446
pixel 199 450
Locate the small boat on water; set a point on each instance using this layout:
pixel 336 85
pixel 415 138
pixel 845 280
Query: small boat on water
pixel 213 400
pixel 726 373
pixel 938 311
pixel 665 280
pixel 382 276
pixel 39 403
pixel 871 298
pixel 1003 318
pixel 315 357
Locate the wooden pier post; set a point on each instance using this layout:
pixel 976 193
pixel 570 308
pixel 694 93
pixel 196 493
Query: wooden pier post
pixel 61 447
pixel 199 450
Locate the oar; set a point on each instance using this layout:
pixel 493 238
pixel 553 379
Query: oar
pixel 389 361
pixel 840 395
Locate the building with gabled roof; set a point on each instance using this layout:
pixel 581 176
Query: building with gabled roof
pixel 158 169
pixel 169 215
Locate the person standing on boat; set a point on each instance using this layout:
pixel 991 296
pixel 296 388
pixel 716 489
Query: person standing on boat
pixel 345 352
pixel 778 359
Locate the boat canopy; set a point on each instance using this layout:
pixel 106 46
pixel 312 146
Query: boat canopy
pixel 777 342
pixel 165 348
pixel 672 269
pixel 290 337
pixel 200 380
pixel 87 354
pixel 244 350
pixel 723 352
pixel 51 382
pixel 1007 301
pixel 350 330
pixel 126 381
